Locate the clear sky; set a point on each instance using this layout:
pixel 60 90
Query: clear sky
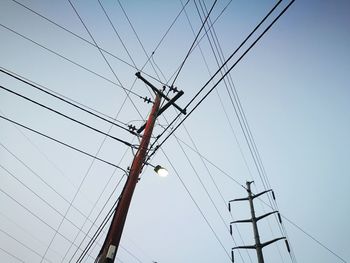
pixel 293 88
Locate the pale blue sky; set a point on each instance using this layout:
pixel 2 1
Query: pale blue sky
pixel 294 89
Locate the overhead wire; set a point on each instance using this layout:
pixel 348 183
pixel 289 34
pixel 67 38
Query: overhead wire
pixel 11 255
pixel 60 142
pixel 71 61
pixel 219 58
pixel 35 216
pixel 193 43
pixel 170 27
pixel 34 193
pixel 196 204
pixel 117 34
pixel 305 232
pixel 204 34
pixel 105 60
pixel 24 231
pixel 209 196
pixel 40 178
pixel 137 37
pixel 41 198
pixel 234 64
pixel 20 242
pixel 103 133
pixel 207 192
pixel 66 116
pixel 79 37
pixel 98 231
pixel 193 143
pixel 218 82
pixel 219 70
pixel 269 205
pixel 95 204
pixel 246 129
pixel 90 35
pixel 104 57
pixel 64 99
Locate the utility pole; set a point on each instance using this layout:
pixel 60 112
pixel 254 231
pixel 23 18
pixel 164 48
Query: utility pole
pixel 110 246
pixel 254 220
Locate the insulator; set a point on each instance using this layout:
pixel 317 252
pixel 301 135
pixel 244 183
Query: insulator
pixel 231 229
pixel 146 99
pixel 132 127
pixel 229 207
pixel 232 256
pixel 287 245
pixel 279 217
pixel 273 195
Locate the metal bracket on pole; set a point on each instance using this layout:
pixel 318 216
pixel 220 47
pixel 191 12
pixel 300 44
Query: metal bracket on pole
pixel 161 94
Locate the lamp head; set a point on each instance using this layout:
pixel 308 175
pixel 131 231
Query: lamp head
pixel 161 171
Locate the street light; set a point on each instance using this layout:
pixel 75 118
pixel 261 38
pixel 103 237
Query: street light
pixel 161 171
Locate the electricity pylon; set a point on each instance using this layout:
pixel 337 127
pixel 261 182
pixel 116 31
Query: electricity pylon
pixel 258 246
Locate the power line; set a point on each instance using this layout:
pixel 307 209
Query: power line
pixel 206 190
pixel 62 98
pixel 95 204
pixel 60 142
pixel 116 32
pixel 218 82
pixel 214 42
pixel 34 215
pixel 66 116
pixel 59 95
pixel 306 233
pixel 249 137
pixel 83 39
pixel 239 47
pixel 219 70
pixel 97 232
pixel 42 199
pixel 106 134
pixel 70 60
pixel 193 43
pixel 21 243
pixel 73 34
pixel 25 231
pixel 270 206
pixel 105 59
pixel 138 38
pixel 169 28
pixel 12 255
pixel 196 204
pixel 40 179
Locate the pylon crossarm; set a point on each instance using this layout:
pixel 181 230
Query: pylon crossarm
pixel 244 247
pixel 259 194
pixel 242 221
pixel 239 199
pixel 265 215
pixel 272 241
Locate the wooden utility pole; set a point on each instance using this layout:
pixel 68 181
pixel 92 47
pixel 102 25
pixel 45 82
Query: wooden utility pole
pixel 110 246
